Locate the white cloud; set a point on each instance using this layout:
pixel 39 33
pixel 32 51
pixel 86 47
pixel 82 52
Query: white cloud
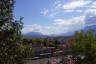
pixel 62 25
pixel 45 11
pixel 31 28
pixel 69 10
pixel 70 25
pixel 53 14
pixel 93 5
pixel 59 26
pixel 90 19
pixel 75 4
pixel 58 5
pixel 72 10
pixel 93 11
pixel 75 22
pixel 61 22
pixel 79 10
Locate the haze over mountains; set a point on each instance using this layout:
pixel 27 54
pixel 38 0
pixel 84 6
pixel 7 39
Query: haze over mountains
pixel 90 23
pixel 34 34
pixel 38 34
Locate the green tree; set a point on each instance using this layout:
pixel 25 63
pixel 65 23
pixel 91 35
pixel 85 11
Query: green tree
pixel 12 49
pixel 56 43
pixel 85 45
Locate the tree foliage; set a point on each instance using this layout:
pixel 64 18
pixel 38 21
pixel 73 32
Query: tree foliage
pixel 56 43
pixel 12 49
pixel 85 46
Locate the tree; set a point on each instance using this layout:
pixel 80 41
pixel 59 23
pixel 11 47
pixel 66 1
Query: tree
pixel 85 46
pixel 56 43
pixel 12 49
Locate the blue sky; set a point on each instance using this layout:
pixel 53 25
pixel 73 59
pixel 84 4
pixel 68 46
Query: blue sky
pixel 54 16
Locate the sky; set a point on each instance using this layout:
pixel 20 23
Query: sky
pixel 54 16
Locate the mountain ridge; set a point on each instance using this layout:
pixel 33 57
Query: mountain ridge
pixel 38 34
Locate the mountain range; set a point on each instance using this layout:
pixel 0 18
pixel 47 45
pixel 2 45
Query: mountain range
pixel 34 34
pixel 38 34
pixel 93 27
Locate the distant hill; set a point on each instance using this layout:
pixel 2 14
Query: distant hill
pixel 93 27
pixel 63 34
pixel 34 34
pixel 67 34
pixel 38 34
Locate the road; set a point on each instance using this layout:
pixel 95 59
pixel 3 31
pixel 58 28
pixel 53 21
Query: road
pixel 44 58
pixel 42 61
pixel 39 61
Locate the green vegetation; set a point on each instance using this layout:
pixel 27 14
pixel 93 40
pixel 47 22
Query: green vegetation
pixel 85 46
pixel 56 43
pixel 12 48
